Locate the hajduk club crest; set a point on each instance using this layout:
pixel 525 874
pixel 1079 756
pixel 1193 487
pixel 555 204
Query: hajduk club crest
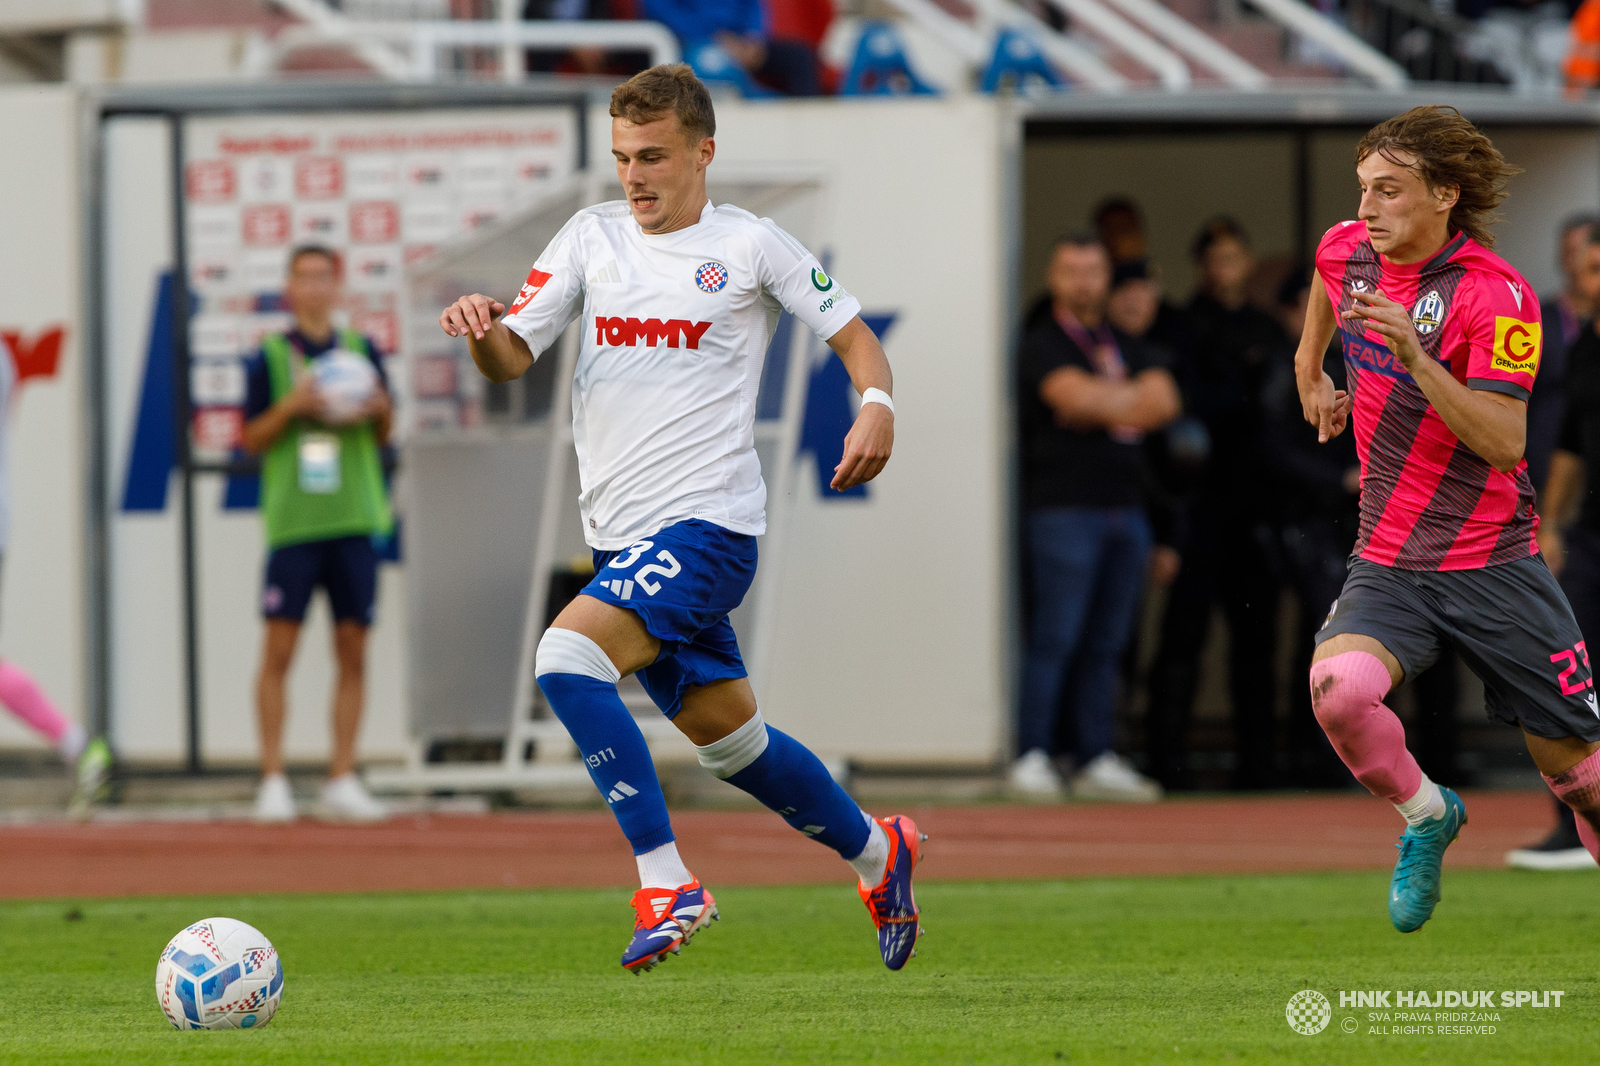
pixel 1428 312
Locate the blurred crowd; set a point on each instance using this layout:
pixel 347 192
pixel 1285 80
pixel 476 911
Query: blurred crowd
pixel 1167 474
pixel 773 42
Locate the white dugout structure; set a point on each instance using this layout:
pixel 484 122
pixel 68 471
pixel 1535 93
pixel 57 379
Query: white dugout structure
pixel 882 630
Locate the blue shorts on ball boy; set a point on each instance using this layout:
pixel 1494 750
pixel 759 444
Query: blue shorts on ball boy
pixel 682 583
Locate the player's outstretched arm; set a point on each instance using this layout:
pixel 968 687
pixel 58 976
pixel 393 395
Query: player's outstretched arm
pixel 1490 423
pixel 871 439
pixel 501 355
pixel 1325 407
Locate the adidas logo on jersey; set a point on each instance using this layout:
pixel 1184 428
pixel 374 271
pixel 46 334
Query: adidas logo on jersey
pixel 628 332
pixel 608 275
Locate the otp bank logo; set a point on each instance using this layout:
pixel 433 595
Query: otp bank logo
pixel 1516 346
pixel 652 331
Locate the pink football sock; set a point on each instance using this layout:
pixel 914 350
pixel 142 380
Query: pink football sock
pixel 1579 788
pixel 28 702
pixel 1347 693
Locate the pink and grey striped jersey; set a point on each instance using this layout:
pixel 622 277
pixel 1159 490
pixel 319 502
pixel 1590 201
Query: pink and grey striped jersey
pixel 1428 502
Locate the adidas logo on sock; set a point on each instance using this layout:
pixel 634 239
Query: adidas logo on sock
pixel 621 791
pixel 813 830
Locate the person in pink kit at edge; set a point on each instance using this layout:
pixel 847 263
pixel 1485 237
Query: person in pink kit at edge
pixel 19 692
pixel 1442 340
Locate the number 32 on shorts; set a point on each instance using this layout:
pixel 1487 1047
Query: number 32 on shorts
pixel 1570 656
pixel 642 577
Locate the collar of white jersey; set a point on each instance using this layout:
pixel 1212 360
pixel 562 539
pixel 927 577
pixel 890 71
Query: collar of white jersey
pixel 705 216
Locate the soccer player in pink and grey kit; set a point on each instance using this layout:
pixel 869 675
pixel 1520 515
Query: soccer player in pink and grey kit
pixel 1442 340
pixel 19 693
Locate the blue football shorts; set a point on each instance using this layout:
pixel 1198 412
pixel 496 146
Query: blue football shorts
pixel 682 583
pixel 346 566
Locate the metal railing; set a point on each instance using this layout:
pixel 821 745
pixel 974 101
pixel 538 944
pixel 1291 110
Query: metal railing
pixel 411 51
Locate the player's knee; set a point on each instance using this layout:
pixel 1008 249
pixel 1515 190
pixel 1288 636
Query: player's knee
pixel 740 748
pixel 565 651
pixel 1346 688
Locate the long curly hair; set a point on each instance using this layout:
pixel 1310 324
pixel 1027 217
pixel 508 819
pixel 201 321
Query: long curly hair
pixel 1448 152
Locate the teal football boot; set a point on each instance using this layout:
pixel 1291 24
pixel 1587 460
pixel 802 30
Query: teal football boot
pixel 1414 889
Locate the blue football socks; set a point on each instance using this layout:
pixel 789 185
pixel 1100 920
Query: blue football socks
pixel 615 752
pixel 789 779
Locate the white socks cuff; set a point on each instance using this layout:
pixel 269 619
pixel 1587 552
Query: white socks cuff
pixel 72 743
pixel 563 651
pixel 1428 802
pixel 734 752
pixel 874 858
pixel 662 868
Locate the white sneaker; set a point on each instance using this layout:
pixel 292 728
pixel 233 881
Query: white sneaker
pixel 1111 777
pixel 1562 859
pixel 1035 775
pixel 274 801
pixel 346 799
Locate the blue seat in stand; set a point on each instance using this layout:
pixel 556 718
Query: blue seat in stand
pixel 880 66
pixel 1016 59
pixel 716 67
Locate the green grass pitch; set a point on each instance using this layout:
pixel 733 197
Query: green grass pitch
pixel 1148 970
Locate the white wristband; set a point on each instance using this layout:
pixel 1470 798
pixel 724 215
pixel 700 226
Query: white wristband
pixel 877 396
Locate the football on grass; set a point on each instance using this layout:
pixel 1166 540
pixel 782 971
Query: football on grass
pixel 346 383
pixel 219 974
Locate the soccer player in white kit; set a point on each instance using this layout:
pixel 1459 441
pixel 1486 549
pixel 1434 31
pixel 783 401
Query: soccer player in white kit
pixel 678 299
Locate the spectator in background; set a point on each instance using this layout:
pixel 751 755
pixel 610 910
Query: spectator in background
pixel 323 500
pixel 1583 62
pixel 1571 545
pixel 1229 545
pixel 740 28
pixel 1319 488
pixel 1120 224
pixel 1087 394
pixel 621 63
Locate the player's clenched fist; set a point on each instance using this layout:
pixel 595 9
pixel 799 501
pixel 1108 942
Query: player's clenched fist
pixel 866 447
pixel 472 315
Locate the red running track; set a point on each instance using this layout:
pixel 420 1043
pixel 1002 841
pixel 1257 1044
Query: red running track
pixel 1272 834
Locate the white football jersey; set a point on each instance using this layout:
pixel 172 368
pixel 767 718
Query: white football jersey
pixel 675 329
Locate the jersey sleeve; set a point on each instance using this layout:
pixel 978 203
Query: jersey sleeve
pixel 793 277
pixel 1332 253
pixel 1504 336
pixel 553 293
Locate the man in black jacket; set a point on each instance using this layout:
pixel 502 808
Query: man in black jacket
pixel 1229 550
pixel 1086 396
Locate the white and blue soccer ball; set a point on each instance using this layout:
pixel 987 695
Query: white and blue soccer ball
pixel 346 383
pixel 219 974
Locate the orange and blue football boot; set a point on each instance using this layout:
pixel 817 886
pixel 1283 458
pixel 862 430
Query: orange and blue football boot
pixel 664 920
pixel 891 904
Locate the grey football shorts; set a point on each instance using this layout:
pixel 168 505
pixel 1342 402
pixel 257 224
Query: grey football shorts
pixel 1511 624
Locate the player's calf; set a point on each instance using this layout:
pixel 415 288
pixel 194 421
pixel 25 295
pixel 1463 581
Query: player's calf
pixel 1579 788
pixel 788 778
pixel 1347 693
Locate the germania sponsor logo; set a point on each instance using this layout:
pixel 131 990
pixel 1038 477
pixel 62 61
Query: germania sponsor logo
pixel 629 332
pixel 821 280
pixel 530 289
pixel 1428 313
pixel 1516 345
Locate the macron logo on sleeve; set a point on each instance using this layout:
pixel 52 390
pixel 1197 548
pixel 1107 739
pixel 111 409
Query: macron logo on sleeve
pixel 530 289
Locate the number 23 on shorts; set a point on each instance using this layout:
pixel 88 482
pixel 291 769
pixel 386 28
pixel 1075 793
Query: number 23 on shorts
pixel 1569 656
pixel 642 576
